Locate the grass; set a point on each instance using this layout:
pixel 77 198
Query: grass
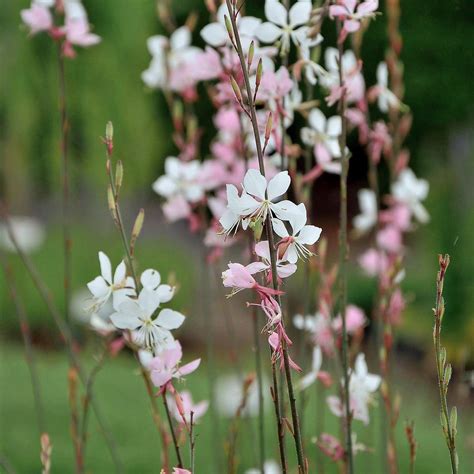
pixel 122 397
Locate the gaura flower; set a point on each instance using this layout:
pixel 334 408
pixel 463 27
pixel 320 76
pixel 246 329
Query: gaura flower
pixel 256 201
pixel 284 268
pixel 323 134
pixel 215 34
pixel 315 373
pixel 165 366
pixel 355 319
pixel 28 232
pixel 346 11
pixel 361 387
pixel 285 25
pixel 38 17
pixel 103 286
pixel 291 247
pixel 386 99
pixel 187 406
pixel 410 190
pixel 137 315
pixel 367 219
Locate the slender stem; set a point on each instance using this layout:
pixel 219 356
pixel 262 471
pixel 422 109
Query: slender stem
pixel 343 258
pixel 88 397
pixel 65 333
pixel 444 369
pixel 192 440
pixel 173 434
pixel 156 418
pixel 269 233
pixel 280 428
pixel 65 184
pixel 258 369
pixel 26 335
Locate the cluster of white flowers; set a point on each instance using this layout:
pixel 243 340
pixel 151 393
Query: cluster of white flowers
pixel 141 313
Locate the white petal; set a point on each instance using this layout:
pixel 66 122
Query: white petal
pixel 278 185
pixel 299 220
pixel 309 234
pixel 165 186
pixel 360 365
pixel 165 293
pixel 150 279
pixel 124 320
pixel 120 273
pixel 105 267
pixel 156 44
pixel 248 25
pixel 285 210
pixel 372 382
pixel 279 228
pixel 300 13
pixel 255 184
pixel 333 146
pixel 98 287
pixel 228 220
pixel 181 38
pixel 317 120
pixel 169 319
pixel 334 126
pixel 276 12
pixel 214 34
pixel 268 32
pixel 292 254
pixel 317 359
pixel 307 380
pixel 148 301
pixel 382 75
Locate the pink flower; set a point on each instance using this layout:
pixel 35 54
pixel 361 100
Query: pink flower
pixel 390 239
pixel 176 208
pixel 38 18
pixel 346 11
pixel 274 86
pixel 238 277
pixel 355 319
pixel 275 340
pixel 180 470
pixel 331 446
pixel 78 33
pixel 379 141
pixel 164 367
pixel 186 406
pixel 398 215
pixel 396 306
pixel 373 262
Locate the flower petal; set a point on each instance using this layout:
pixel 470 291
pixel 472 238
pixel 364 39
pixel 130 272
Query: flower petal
pixel 300 13
pixel 255 184
pixel 214 34
pixel 98 287
pixel 309 234
pixel 169 319
pixel 279 228
pixel 268 32
pixel 120 273
pixel 188 368
pixel 150 279
pixel 276 12
pixel 105 267
pixel 278 185
pixel 317 120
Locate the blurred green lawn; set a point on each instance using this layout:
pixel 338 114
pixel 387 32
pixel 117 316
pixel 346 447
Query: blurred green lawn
pixel 125 405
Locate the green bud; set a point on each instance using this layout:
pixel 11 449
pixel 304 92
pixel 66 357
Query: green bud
pixel 250 54
pixel 257 227
pixel 118 176
pixel 448 370
pixel 228 26
pixel 109 131
pixel 453 421
pixel 236 89
pixel 137 228
pixel 258 77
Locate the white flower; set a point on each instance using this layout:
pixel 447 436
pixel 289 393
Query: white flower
pixel 103 286
pixel 364 221
pixel 256 200
pixel 312 70
pixel 137 315
pixel 228 392
pixel 284 268
pixel 312 375
pixel 302 235
pixel 28 232
pixel 215 34
pixel 410 190
pixel 269 467
pixel 324 136
pixel 180 179
pixel 151 280
pixel 285 25
pixel 361 387
pixel 168 55
pixel 386 99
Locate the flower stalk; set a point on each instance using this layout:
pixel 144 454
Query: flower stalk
pixel 343 258
pixel 444 369
pixel 252 114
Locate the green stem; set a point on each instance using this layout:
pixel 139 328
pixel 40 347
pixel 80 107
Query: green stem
pixel 173 434
pixel 343 258
pixel 269 233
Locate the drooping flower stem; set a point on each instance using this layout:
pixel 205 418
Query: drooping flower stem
pixel 343 258
pixel 173 434
pixel 67 241
pixel 444 369
pixel 253 117
pixel 26 335
pixel 65 333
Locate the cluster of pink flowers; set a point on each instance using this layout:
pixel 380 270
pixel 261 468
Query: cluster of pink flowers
pixel 74 32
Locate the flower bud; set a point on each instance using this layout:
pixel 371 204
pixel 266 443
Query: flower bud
pixel 453 420
pixel 137 228
pixel 236 89
pixel 268 127
pixel 250 54
pixel 118 177
pixel 228 26
pixel 258 78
